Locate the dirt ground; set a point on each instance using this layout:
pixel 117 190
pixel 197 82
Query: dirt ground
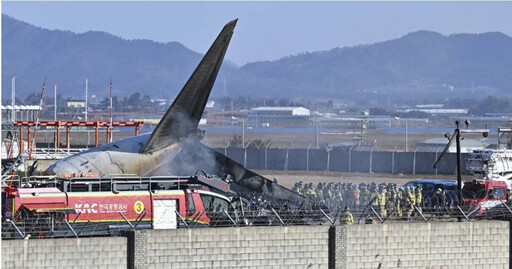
pixel 288 178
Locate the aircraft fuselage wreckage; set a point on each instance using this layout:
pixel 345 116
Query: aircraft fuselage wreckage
pixel 174 147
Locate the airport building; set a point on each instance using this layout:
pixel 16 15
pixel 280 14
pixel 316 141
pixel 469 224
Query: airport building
pixel 75 103
pixel 21 113
pixel 279 117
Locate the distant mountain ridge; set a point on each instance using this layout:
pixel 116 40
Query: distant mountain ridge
pixel 32 53
pixel 421 64
pixel 416 60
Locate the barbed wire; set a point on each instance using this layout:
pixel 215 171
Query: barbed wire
pixel 56 225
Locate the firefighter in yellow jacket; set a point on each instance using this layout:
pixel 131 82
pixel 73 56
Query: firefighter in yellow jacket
pixel 410 202
pixel 346 217
pixel 382 203
pixel 418 198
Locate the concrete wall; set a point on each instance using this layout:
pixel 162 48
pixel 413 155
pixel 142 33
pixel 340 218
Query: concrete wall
pixel 253 247
pixel 481 244
pixel 342 160
pixel 96 252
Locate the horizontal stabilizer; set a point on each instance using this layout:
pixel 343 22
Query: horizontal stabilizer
pixel 182 118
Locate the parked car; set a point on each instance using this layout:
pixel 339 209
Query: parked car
pixel 430 186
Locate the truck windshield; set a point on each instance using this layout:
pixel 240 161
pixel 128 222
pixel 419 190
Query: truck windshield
pixel 497 194
pixel 475 191
pixel 214 204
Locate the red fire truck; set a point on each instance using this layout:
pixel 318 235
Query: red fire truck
pixel 160 202
pixel 481 195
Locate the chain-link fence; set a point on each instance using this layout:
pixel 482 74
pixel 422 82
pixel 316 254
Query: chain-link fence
pixel 345 159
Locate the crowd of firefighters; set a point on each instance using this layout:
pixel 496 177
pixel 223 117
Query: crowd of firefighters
pixel 385 199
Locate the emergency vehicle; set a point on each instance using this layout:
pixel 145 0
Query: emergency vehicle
pixel 481 195
pixel 157 202
pixel 491 164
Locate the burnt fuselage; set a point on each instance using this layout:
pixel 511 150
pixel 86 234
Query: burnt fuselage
pixel 122 157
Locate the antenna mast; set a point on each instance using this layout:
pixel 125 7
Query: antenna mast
pixel 86 89
pixel 110 127
pixel 55 101
pixel 32 143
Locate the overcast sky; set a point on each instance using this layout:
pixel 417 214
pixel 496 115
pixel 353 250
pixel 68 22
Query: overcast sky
pixel 266 30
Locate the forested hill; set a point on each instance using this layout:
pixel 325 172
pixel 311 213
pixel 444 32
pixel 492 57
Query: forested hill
pixel 417 62
pixel 32 53
pixel 421 64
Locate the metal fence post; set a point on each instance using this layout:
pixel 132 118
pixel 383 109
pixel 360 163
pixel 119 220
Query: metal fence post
pixel 371 159
pixel 278 217
pixel 127 221
pixel 421 214
pixel 414 162
pixel 327 216
pixel 505 204
pixel 266 160
pixel 286 161
pixel 350 159
pixel 16 228
pixel 230 218
pixel 465 216
pixel 376 214
pixel 182 220
pixel 393 161
pixel 307 157
pixel 328 149
pixel 71 228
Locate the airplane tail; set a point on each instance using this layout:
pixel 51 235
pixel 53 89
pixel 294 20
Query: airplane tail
pixel 183 116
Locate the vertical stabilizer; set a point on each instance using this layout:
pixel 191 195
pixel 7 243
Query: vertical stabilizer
pixel 183 116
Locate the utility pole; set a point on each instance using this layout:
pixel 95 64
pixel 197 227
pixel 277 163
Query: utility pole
pixel 55 101
pixel 13 98
pixel 456 136
pixel 459 176
pixel 243 133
